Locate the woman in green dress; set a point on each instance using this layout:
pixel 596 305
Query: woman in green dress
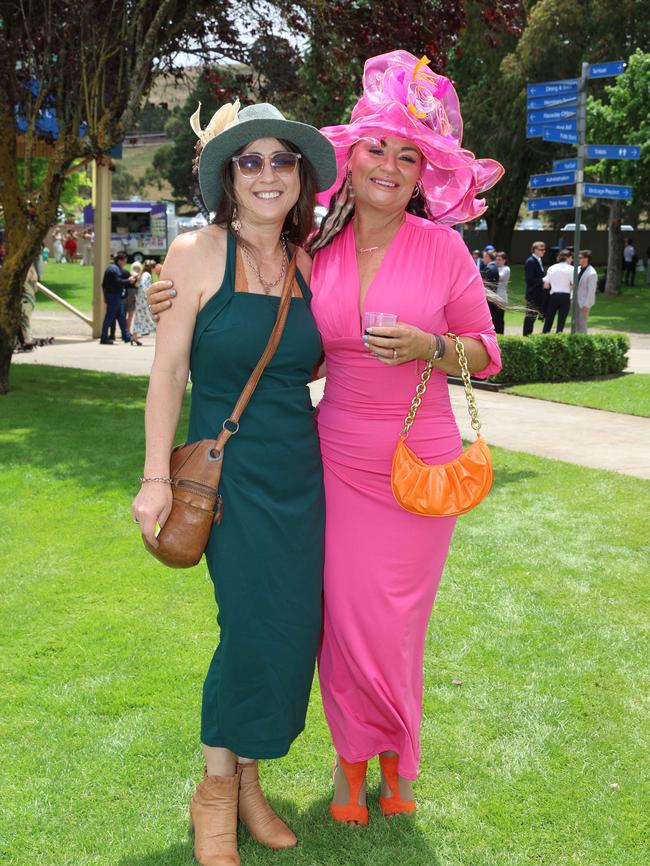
pixel 265 558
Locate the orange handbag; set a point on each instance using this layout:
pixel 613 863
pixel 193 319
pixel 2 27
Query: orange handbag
pixel 442 489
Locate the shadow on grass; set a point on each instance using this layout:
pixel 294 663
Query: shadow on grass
pixel 384 842
pixel 77 424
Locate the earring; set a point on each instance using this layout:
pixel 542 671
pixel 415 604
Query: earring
pixel 235 222
pixel 416 191
pixel 294 218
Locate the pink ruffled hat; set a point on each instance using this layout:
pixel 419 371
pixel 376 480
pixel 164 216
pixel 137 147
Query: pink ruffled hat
pixel 403 98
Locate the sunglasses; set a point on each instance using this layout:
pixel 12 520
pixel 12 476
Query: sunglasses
pixel 251 165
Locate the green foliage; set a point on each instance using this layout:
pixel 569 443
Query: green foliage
pixel 173 161
pixel 491 81
pixel 624 118
pixel 560 357
pixel 76 186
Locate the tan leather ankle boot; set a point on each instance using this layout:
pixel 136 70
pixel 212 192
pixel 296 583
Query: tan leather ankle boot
pixel 213 813
pixel 260 819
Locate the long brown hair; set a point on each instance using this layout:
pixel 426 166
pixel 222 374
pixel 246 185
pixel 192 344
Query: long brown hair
pixel 299 221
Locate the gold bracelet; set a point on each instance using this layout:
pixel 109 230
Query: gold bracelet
pixel 145 480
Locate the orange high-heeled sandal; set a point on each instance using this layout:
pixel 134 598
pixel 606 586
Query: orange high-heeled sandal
pixel 352 811
pixel 393 805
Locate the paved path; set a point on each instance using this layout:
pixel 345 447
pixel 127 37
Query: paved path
pixel 589 437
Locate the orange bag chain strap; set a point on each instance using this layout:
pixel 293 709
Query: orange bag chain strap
pixel 472 408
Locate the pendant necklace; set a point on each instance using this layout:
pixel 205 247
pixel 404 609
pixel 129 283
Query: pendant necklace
pixel 266 285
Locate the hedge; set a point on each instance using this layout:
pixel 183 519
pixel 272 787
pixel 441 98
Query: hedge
pixel 560 357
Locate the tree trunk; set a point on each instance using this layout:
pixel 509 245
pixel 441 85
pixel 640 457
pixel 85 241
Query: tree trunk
pixel 10 308
pixel 12 279
pixel 615 249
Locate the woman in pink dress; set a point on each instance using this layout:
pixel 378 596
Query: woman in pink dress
pixel 387 246
pixel 399 156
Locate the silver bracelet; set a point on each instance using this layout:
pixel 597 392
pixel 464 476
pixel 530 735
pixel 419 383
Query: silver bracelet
pixel 145 480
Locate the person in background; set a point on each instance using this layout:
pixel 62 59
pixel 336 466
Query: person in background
pixel 477 258
pixel 490 275
pixel 57 245
pixel 143 322
pixel 587 284
pixel 629 262
pixel 536 296
pixel 27 303
pixel 502 288
pixel 559 279
pixel 115 282
pixel 86 248
pixel 129 303
pixel 70 246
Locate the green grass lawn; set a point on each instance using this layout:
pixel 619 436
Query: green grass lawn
pixel 542 614
pixel 627 312
pixel 72 282
pixel 628 394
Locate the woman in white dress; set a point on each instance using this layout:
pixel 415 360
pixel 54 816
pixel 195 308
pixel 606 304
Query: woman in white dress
pixel 143 322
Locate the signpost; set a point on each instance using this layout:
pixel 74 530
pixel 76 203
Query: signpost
pixel 557 111
pixel 613 151
pixel 537 102
pixel 557 178
pixel 551 115
pixel 535 130
pixel 552 134
pixel 554 88
pixel 560 202
pixel 608 190
pixel 606 70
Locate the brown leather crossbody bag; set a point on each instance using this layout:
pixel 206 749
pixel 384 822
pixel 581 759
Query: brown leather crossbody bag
pixel 195 469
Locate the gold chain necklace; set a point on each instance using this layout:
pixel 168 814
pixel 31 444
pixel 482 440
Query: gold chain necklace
pixel 267 286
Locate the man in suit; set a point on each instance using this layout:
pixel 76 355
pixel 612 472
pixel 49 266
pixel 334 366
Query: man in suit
pixel 536 294
pixel 115 283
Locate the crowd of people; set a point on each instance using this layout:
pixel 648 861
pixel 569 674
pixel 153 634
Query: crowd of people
pixel 548 290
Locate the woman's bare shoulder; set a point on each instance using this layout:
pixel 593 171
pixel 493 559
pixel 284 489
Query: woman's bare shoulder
pixel 209 239
pixel 196 261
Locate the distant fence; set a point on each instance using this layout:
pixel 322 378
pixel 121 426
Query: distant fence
pixel 595 240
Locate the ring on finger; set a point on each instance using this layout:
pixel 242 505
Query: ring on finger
pixel 394 354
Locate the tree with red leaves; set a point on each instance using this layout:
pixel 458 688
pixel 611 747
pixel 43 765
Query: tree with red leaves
pixel 72 75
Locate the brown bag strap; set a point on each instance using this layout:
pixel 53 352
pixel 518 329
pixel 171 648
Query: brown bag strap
pixel 267 354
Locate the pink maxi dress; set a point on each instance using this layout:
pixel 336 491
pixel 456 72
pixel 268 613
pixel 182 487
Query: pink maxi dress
pixel 383 564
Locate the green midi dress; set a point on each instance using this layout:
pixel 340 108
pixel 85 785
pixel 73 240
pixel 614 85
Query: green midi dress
pixel 266 557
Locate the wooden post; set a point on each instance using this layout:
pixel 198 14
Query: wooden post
pixel 102 194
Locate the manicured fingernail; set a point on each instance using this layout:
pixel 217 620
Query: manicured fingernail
pixel 365 339
pixel 370 330
pixel 169 303
pixel 172 293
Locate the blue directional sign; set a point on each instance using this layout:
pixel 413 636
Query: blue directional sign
pixel 534 130
pixel 536 103
pixel 606 70
pixel 565 165
pixel 551 115
pixel 557 178
pixel 561 202
pixel 553 88
pixel 559 135
pixel 613 151
pixel 606 190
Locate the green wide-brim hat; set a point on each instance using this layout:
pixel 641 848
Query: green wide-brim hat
pixel 263 121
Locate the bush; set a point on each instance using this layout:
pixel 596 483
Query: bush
pixel 560 357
